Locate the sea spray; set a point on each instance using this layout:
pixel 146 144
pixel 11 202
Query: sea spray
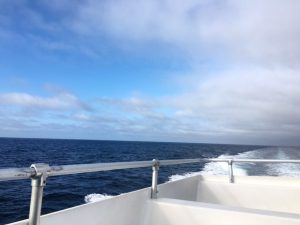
pixel 94 197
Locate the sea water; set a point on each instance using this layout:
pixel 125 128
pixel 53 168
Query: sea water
pixel 70 190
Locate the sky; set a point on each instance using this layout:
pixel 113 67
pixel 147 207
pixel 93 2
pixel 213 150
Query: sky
pixel 207 71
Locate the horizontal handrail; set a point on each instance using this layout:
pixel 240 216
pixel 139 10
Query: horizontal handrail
pixel 24 173
pixel 40 172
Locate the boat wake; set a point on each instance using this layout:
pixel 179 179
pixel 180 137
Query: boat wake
pixel 244 169
pixel 239 169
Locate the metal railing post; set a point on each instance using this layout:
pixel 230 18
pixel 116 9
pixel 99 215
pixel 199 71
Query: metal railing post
pixel 155 168
pixel 38 181
pixel 230 171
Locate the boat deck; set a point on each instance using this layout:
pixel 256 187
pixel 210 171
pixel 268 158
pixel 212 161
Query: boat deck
pixel 201 200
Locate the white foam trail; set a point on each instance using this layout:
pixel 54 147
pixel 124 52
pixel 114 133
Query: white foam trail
pixel 213 168
pixel 240 169
pixel 284 169
pixel 221 168
pixel 179 177
pixel 96 197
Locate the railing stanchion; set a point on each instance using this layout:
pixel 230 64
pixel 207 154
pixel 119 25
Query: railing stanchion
pixel 230 171
pixel 38 181
pixel 155 168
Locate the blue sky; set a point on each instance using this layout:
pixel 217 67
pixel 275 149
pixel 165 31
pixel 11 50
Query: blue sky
pixel 191 71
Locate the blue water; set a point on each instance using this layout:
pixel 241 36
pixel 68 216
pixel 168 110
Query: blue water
pixel 67 191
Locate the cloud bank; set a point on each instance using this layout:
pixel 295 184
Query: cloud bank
pixel 250 94
pixel 263 31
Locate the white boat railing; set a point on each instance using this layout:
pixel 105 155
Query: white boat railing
pixel 38 173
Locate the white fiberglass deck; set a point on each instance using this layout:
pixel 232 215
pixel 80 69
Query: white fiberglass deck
pixel 201 200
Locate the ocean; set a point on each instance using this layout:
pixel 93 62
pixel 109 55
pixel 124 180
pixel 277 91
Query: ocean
pixel 71 190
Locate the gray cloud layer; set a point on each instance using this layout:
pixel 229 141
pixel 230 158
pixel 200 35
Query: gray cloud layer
pixel 264 31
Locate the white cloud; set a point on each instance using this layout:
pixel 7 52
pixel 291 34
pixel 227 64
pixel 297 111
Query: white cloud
pixel 255 99
pixel 227 109
pixel 265 31
pixel 253 103
pixel 62 101
pixel 260 31
pixel 261 39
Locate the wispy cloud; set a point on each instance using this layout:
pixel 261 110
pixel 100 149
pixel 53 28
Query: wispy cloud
pixel 217 111
pixel 259 31
pixel 263 31
pixel 62 101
